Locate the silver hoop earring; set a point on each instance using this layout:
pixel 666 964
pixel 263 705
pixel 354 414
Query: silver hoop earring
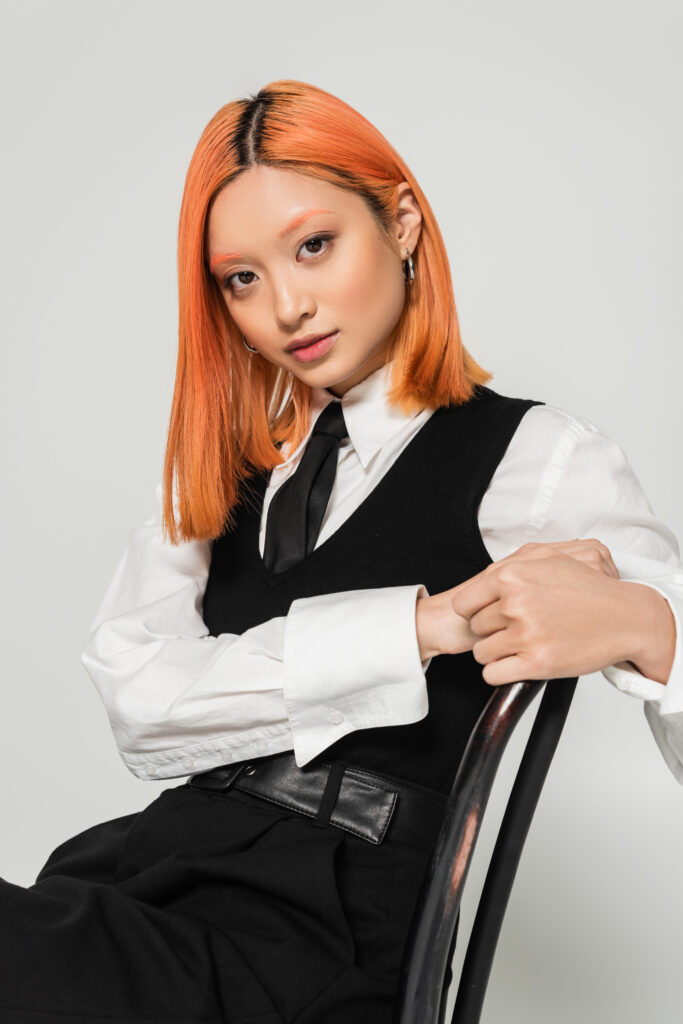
pixel 409 268
pixel 246 345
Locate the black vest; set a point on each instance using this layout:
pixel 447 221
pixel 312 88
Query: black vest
pixel 417 525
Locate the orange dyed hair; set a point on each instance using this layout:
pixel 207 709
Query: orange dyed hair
pixel 231 408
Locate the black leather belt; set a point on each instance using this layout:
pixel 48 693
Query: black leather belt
pixel 368 804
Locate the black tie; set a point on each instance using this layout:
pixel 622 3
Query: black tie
pixel 296 510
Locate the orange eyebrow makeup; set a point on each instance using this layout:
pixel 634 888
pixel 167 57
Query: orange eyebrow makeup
pixel 223 257
pixel 298 220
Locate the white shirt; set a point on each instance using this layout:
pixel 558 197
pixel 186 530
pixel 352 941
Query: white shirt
pixel 180 701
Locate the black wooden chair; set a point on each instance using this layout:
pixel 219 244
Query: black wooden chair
pixel 423 991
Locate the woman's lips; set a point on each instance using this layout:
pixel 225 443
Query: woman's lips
pixel 307 353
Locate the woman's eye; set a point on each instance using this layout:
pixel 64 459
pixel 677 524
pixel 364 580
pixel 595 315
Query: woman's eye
pixel 240 273
pixel 314 241
pixel 236 283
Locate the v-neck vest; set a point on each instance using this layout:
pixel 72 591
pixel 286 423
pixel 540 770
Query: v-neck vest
pixel 417 525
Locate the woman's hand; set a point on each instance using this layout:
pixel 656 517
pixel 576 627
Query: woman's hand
pixel 591 551
pixel 546 611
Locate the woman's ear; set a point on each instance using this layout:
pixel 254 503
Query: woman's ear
pixel 408 222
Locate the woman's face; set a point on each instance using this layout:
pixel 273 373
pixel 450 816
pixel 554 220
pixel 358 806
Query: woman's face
pixel 296 256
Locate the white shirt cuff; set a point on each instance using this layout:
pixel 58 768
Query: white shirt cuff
pixel 629 680
pixel 352 661
pixel 663 701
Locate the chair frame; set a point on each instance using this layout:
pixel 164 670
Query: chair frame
pixel 423 992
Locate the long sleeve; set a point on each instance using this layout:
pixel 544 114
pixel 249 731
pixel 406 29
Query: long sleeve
pixel 180 701
pixel 565 478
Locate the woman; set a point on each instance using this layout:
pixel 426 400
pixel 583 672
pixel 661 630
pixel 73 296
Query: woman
pixel 310 627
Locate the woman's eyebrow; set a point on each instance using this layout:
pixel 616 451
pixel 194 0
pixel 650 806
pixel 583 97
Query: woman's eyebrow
pixel 223 257
pixel 299 219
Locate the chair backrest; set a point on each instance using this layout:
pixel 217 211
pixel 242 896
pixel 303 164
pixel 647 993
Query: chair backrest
pixel 423 993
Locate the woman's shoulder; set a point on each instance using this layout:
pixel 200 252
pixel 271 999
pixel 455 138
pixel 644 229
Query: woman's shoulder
pixel 556 418
pixel 551 438
pixel 538 424
pixel 547 418
pixel 551 443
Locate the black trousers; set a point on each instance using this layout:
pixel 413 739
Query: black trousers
pixel 206 907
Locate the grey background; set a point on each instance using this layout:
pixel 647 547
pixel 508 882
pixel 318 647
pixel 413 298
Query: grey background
pixel 546 137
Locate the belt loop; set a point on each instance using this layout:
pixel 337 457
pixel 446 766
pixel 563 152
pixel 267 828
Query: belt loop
pixel 330 793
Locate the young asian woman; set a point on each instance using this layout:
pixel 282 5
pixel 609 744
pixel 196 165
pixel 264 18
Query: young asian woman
pixel 312 666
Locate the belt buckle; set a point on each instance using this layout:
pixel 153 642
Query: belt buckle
pixel 222 778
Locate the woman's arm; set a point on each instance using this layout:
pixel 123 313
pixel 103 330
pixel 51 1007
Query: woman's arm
pixel 180 701
pixel 563 478
pixel 589 489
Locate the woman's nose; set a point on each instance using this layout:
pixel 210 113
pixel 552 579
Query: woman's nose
pixel 291 303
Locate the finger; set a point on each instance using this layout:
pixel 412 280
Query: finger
pixel 474 594
pixel 514 669
pixel 592 551
pixel 600 561
pixel 488 620
pixel 597 561
pixel 604 564
pixel 489 585
pixel 494 647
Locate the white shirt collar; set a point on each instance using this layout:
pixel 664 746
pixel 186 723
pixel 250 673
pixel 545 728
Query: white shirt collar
pixel 370 421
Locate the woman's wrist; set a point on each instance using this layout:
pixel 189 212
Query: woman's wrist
pixel 440 630
pixel 649 631
pixel 423 628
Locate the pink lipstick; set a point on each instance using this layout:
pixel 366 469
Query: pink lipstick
pixel 307 353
